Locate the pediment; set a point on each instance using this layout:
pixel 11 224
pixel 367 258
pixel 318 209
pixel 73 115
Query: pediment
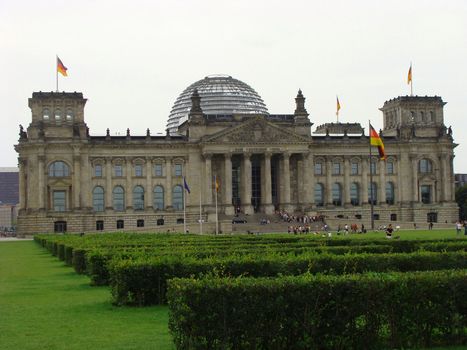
pixel 257 130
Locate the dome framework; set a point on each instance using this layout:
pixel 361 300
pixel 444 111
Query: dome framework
pixel 220 94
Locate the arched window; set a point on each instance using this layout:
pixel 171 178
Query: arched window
pixel 354 194
pixel 432 117
pixel 336 194
pixel 177 197
pixel 425 166
pixel 59 169
pixel 389 193
pixel 372 187
pixel 58 114
pixel 98 198
pixel 422 117
pixel 69 114
pixel 319 195
pixel 46 114
pixel 118 198
pixel 159 198
pixel 138 198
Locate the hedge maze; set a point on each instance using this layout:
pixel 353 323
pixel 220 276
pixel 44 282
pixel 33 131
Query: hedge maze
pixel 283 291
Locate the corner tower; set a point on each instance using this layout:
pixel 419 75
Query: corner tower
pixel 57 115
pixel 414 115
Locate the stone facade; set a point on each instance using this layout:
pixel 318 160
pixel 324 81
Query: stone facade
pixel 70 180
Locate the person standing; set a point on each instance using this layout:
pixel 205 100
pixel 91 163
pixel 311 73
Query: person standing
pixel 458 228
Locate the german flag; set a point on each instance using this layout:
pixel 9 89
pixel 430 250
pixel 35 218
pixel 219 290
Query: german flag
pixel 338 106
pixel 61 67
pixel 409 75
pixel 375 140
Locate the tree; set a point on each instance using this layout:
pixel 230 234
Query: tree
pixel 461 199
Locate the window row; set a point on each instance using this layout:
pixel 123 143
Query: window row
pixel 57 114
pixel 61 169
pixel 118 198
pixel 355 168
pixel 355 194
pixel 138 170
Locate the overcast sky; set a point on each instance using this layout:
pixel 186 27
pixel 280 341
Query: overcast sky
pixel 131 59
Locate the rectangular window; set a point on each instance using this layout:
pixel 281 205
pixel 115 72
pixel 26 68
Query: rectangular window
pixel 336 168
pixel 353 168
pixel 140 223
pixel 390 168
pixel 158 169
pixel 59 199
pixel 318 169
pixel 178 170
pixel 118 170
pixel 426 194
pixel 98 170
pixel 373 167
pixel 99 225
pixel 120 224
pixel 138 170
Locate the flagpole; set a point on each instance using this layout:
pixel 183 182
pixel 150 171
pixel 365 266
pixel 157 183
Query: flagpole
pixel 371 182
pixel 56 72
pixel 200 215
pixel 184 211
pixel 217 218
pixel 411 79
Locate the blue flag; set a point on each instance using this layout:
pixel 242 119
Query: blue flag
pixel 186 185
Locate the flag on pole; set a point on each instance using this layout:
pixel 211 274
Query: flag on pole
pixel 375 140
pixel 61 68
pixel 409 75
pixel 186 185
pixel 216 183
pixel 338 106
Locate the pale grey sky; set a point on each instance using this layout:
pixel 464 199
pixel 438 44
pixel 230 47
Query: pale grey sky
pixel 131 59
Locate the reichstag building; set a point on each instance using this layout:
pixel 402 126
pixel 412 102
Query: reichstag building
pixel 219 127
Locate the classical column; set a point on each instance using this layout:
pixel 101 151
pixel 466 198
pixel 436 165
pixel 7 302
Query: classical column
pixel 285 168
pixel 227 185
pixel 208 189
pixel 86 175
pixel 22 183
pixel 365 181
pixel 148 198
pixel 309 172
pixel 108 183
pixel 76 179
pixel 268 207
pixel 405 174
pixel 415 179
pixel 129 184
pixel 40 178
pixel 328 190
pixel 445 177
pixel 346 182
pixel 246 188
pixel 168 182
pixel 382 182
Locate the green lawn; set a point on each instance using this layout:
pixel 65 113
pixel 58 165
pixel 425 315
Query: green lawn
pixel 46 305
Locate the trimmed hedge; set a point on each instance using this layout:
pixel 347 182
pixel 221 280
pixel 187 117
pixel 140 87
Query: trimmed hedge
pixel 363 311
pixel 144 281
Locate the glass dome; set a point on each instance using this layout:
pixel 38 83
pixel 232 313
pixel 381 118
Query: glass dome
pixel 220 94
